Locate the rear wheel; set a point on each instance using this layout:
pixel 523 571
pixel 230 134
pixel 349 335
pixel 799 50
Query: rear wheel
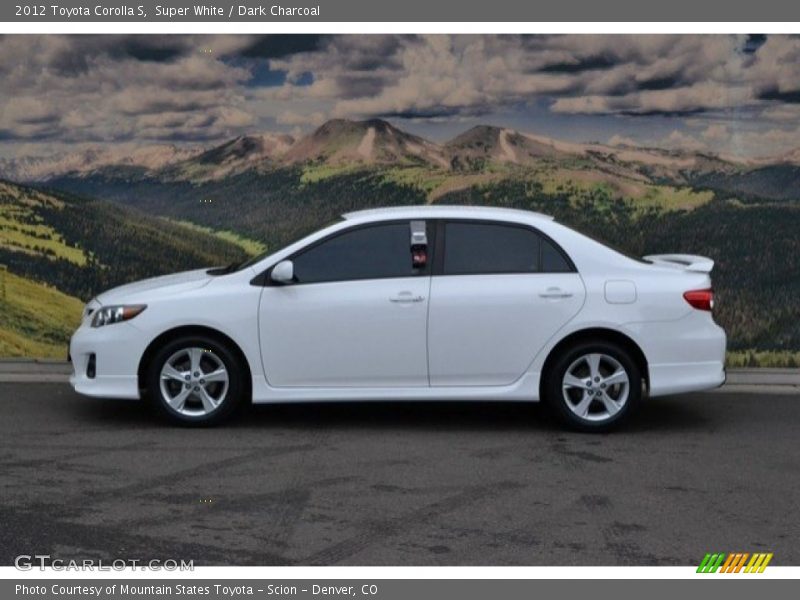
pixel 593 386
pixel 195 380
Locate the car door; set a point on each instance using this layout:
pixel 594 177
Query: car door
pixel 356 315
pixel 503 291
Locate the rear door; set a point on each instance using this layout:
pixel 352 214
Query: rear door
pixel 503 290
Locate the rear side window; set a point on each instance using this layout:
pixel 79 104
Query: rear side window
pixel 473 248
pixel 374 252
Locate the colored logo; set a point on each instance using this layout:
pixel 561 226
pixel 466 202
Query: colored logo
pixel 735 562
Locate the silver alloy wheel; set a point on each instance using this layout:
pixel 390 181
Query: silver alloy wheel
pixel 194 382
pixel 596 386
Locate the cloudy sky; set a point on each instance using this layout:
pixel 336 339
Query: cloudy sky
pixel 728 94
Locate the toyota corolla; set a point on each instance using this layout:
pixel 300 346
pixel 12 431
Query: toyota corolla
pixel 414 303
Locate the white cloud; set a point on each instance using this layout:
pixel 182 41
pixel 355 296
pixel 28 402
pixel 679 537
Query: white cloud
pixel 102 88
pixel 783 112
pixel 716 132
pixel 301 119
pixel 621 140
pixel 80 89
pixel 682 141
pixel 688 99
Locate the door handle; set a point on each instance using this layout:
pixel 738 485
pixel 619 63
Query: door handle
pixel 406 299
pixel 555 293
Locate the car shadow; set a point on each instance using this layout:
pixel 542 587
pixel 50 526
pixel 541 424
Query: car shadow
pixel 680 413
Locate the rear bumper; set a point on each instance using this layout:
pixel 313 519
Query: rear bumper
pixel 116 349
pixel 687 355
pixel 685 377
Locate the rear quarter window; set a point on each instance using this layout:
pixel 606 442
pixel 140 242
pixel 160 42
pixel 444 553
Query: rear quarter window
pixel 553 259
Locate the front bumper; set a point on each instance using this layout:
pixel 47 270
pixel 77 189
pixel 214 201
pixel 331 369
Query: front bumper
pixel 117 349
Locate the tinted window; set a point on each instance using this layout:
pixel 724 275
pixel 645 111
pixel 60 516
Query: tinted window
pixel 366 253
pixel 296 237
pixel 489 248
pixel 553 261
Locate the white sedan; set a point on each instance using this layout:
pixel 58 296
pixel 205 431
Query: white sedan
pixel 415 303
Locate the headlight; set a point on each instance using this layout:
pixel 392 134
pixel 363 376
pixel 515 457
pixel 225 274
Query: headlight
pixel 106 315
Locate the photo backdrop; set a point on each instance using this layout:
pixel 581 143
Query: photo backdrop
pixel 124 157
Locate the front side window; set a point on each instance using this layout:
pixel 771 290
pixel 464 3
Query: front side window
pixel 373 252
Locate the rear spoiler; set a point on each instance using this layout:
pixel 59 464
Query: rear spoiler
pixel 687 262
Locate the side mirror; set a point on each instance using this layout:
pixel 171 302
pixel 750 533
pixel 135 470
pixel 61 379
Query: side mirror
pixel 283 272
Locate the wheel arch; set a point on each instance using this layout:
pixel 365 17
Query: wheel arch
pixel 176 332
pixel 596 333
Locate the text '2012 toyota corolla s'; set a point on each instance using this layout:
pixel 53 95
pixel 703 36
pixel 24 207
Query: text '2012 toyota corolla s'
pixel 415 303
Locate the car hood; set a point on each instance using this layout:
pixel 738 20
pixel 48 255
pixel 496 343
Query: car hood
pixel 155 286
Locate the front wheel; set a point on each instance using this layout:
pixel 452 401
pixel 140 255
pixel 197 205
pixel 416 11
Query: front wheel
pixel 195 380
pixel 593 386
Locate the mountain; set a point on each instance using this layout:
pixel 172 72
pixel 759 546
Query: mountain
pixel 680 167
pixel 82 246
pixel 792 157
pixel 251 168
pixel 770 182
pixel 376 143
pixel 364 142
pixel 253 183
pixel 42 168
pixel 485 144
pixel 232 157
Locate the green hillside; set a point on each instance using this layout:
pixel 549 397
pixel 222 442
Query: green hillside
pixel 24 229
pixel 35 319
pixel 82 246
pixel 61 249
pixel 274 205
pixel 754 243
pixel 248 245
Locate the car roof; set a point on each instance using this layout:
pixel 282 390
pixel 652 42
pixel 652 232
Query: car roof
pixel 442 211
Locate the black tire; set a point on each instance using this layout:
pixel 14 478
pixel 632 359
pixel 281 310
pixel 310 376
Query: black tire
pixel 554 395
pixel 213 351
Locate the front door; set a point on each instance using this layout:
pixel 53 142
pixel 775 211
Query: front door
pixel 356 315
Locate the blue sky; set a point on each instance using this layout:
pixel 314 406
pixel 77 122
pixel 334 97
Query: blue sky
pixel 729 94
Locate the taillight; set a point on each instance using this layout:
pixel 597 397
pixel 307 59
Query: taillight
pixel 700 299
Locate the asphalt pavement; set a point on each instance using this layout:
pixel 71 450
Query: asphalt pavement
pixel 399 483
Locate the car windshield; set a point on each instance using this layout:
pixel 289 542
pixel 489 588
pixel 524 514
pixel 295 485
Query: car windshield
pixel 296 238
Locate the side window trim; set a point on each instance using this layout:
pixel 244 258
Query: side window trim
pixel 441 240
pixel 265 280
